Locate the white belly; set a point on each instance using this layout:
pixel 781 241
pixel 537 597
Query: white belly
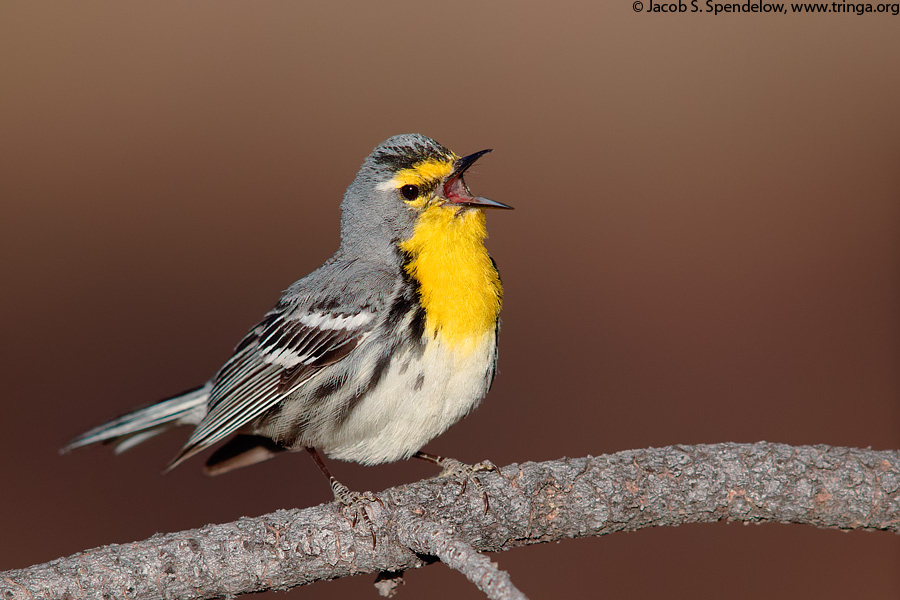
pixel 412 406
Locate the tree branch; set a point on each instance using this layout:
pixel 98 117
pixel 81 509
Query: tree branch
pixel 531 503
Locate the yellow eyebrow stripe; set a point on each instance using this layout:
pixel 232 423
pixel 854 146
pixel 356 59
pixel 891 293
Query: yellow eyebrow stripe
pixel 424 172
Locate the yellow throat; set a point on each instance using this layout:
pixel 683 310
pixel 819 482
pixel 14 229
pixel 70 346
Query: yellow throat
pixel 458 283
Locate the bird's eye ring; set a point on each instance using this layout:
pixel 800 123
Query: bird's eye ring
pixel 410 192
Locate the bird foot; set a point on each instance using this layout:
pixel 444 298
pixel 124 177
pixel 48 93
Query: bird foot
pixel 463 473
pixel 358 503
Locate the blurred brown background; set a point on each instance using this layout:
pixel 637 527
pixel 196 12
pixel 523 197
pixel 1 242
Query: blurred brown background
pixel 705 247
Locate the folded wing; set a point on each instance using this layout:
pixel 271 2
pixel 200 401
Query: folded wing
pixel 272 361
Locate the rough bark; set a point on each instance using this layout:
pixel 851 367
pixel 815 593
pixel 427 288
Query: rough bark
pixel 530 503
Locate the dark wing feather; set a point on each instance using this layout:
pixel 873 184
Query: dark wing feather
pixel 275 358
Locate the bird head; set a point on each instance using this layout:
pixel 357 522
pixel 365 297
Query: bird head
pixel 403 178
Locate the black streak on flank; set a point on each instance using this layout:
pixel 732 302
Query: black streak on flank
pixel 381 367
pixel 399 309
pixel 378 371
pixel 406 303
pixel 417 328
pixel 404 325
pixel 325 390
pixel 420 381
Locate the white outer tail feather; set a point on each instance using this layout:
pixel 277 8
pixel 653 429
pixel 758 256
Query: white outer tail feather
pixel 140 425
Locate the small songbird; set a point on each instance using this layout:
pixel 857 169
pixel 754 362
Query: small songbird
pixel 373 354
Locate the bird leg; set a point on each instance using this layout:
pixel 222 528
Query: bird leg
pixel 462 472
pixel 347 497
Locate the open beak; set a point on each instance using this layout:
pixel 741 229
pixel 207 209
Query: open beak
pixel 456 191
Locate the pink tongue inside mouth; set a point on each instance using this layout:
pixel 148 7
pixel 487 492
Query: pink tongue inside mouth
pixel 455 191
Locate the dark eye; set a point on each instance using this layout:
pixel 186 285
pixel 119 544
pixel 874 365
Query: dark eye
pixel 410 192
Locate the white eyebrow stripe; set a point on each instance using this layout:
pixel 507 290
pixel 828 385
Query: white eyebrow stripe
pixel 390 184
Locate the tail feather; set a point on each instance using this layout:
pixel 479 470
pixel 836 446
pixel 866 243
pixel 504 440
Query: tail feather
pixel 137 426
